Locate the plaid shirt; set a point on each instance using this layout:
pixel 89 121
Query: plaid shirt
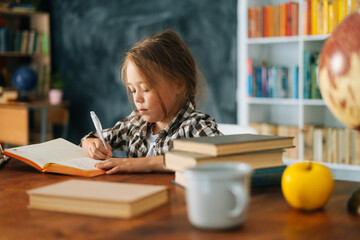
pixel 130 134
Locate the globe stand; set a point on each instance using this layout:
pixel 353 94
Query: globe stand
pixel 23 96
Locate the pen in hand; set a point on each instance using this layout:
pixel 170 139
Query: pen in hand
pixel 98 127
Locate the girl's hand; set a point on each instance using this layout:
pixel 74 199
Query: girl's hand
pixel 144 164
pixel 96 149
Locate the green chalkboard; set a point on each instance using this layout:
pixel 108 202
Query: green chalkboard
pixel 90 37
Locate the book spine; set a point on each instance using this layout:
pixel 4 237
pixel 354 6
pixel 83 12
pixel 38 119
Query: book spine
pixel 267 21
pixel 250 76
pixel 295 82
pixel 266 179
pixel 314 13
pixel 282 20
pixel 325 17
pixel 251 23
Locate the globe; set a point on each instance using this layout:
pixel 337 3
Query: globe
pixel 24 79
pixel 339 71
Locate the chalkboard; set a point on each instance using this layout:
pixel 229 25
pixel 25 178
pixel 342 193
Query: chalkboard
pixel 90 38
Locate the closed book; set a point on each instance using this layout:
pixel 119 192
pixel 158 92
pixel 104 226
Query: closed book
pixel 24 41
pixel 294 19
pixel 105 199
pixel 290 18
pixel 260 18
pixel 181 160
pixel 314 16
pixel 250 76
pixel 325 17
pixel 268 28
pixel 331 18
pixel 283 16
pixel 306 17
pixel 266 177
pixel 295 81
pixel 283 82
pixel 31 41
pixel 306 75
pixel 231 144
pixel 262 177
pixel 57 156
pixel 251 23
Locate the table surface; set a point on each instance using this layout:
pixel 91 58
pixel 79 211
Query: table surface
pixel 33 104
pixel 269 216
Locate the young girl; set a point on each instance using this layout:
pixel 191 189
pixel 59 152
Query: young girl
pixel 163 79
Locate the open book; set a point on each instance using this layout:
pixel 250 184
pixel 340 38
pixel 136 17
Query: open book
pixel 57 156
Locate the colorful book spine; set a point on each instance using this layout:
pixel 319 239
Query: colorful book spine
pixel 295 82
pixel 267 177
pixel 306 77
pixel 250 76
pixel 314 18
pixel 282 24
pixel 325 16
pixel 283 79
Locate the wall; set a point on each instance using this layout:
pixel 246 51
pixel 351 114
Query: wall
pixel 89 40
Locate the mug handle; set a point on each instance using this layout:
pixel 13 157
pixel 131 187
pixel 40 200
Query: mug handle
pixel 241 199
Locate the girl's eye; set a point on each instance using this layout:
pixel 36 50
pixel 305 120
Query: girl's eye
pixel 147 90
pixel 132 91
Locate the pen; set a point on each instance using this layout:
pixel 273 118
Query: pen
pixel 98 127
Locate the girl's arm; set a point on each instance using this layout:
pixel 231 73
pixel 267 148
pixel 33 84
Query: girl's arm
pixel 142 164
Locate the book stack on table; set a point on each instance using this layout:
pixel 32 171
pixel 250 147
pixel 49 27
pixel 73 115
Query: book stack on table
pixel 263 153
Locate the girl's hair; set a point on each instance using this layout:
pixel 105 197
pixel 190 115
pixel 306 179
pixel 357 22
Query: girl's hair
pixel 165 56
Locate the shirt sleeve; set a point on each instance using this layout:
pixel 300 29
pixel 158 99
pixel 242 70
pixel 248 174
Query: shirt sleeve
pixel 116 136
pixel 204 125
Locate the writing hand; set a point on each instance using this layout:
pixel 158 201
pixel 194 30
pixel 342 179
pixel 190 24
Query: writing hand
pixel 96 148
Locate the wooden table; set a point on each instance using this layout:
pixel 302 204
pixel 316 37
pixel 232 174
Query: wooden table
pixel 269 216
pixel 14 120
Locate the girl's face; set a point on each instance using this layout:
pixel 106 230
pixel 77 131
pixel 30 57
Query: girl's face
pixel 146 100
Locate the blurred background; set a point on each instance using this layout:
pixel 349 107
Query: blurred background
pixel 90 38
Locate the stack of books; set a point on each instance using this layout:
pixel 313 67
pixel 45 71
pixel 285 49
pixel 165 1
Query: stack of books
pixel 263 152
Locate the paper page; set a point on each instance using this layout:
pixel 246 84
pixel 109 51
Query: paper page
pixel 57 150
pixel 85 163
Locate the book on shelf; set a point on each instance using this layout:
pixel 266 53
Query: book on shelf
pixel 333 145
pixel 273 20
pixel 295 82
pixel 261 177
pixel 273 81
pixel 56 156
pixel 98 198
pixel 311 85
pixel 180 160
pixel 306 17
pixel 231 144
pixel 250 76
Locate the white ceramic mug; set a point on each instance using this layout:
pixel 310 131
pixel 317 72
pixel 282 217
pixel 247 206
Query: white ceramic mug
pixel 218 194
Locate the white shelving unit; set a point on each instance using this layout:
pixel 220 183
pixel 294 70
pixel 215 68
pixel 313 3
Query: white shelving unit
pixel 285 51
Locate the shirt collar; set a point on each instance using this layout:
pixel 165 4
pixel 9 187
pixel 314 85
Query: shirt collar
pixel 183 114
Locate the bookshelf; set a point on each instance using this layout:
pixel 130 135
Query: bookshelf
pixel 25 42
pixel 285 51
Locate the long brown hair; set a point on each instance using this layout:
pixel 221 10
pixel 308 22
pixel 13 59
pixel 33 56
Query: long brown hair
pixel 166 56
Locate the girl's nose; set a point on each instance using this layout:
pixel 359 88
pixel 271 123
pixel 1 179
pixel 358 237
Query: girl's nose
pixel 138 98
